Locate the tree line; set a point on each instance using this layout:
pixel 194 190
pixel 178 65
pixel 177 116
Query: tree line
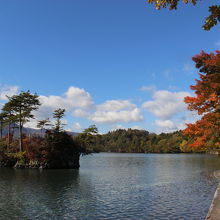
pixel 53 149
pixel 201 136
pixel 140 141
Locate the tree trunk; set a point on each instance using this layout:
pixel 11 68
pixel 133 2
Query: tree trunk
pixel 29 138
pixel 1 129
pixel 9 133
pixel 20 131
pixel 20 137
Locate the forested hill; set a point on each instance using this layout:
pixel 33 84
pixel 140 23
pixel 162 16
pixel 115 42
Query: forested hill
pixel 140 141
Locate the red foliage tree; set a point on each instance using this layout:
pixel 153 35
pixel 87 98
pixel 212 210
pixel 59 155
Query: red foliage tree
pixel 205 133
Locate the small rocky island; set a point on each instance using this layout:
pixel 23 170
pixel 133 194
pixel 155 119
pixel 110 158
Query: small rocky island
pixel 57 150
pixel 54 148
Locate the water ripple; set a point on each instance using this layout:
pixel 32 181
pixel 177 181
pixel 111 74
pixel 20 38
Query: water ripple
pixel 113 186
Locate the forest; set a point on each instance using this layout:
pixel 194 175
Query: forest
pixel 140 141
pixel 55 148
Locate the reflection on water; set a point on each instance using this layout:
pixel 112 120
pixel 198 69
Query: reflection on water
pixel 113 186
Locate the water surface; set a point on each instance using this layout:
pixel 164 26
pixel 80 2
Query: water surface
pixel 113 186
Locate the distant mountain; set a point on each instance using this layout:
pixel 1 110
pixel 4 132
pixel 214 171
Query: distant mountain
pixel 31 131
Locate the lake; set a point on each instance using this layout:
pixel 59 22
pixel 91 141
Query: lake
pixel 113 186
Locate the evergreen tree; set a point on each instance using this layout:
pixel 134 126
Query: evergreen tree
pixel 58 114
pixel 8 118
pixel 87 139
pixel 42 124
pixel 21 106
pixel 2 122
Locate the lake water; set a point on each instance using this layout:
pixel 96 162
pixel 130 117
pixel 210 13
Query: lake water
pixel 113 186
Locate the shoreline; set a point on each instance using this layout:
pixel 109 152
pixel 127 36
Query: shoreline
pixel 214 210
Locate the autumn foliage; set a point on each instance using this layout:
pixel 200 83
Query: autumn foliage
pixel 210 21
pixel 205 133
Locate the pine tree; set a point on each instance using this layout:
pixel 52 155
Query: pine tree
pixel 21 106
pixel 42 124
pixel 58 114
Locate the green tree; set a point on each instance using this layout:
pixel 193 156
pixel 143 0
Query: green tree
pixel 210 21
pixel 42 124
pixel 91 130
pixel 8 118
pixel 58 114
pixel 138 141
pixel 184 147
pixel 2 122
pixel 60 150
pixel 21 106
pixel 87 139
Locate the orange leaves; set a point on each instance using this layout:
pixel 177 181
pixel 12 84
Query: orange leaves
pixel 189 99
pixel 206 131
pixel 213 98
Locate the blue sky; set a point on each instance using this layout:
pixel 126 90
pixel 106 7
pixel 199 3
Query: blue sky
pixel 118 63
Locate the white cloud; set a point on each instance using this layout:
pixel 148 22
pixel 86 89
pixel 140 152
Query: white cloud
pixel 80 113
pixel 170 125
pixel 79 103
pixel 54 102
pixel 166 104
pixel 137 127
pixel 177 123
pixel 119 126
pixel 75 100
pixel 31 124
pixel 115 105
pixel 43 112
pixel 77 126
pixel 116 127
pixel 174 124
pixel 8 91
pixel 166 125
pixel 79 98
pixel 126 116
pixel 115 111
